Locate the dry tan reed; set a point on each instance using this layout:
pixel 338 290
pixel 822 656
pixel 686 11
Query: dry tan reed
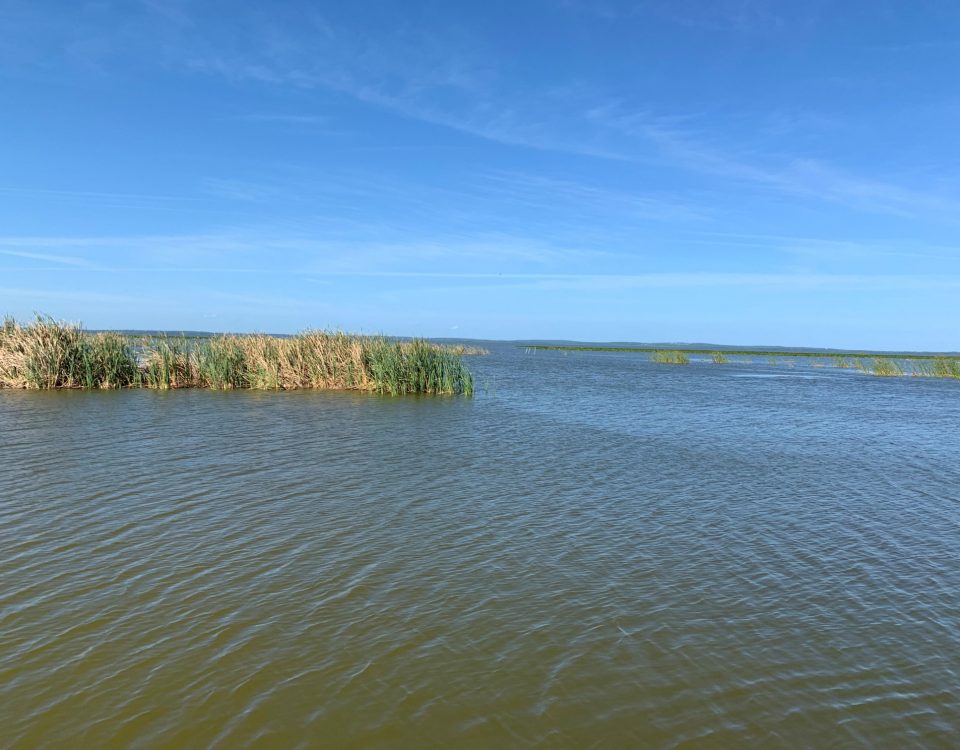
pixel 51 354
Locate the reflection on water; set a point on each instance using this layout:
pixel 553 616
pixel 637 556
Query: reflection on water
pixel 594 551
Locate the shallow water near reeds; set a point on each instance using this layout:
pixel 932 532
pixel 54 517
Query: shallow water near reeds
pixel 594 551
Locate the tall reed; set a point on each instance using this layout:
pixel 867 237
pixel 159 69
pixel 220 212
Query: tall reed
pixel 946 368
pixel 167 362
pixel 888 368
pixel 49 354
pixel 719 358
pixel 938 367
pixel 417 367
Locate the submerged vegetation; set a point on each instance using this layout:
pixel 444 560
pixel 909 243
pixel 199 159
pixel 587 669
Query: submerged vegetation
pixel 50 354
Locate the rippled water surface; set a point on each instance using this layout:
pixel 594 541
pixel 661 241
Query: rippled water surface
pixel 595 551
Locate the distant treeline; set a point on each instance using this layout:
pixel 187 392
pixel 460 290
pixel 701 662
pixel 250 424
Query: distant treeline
pixel 47 354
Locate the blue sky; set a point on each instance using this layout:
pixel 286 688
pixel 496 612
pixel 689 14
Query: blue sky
pixel 735 171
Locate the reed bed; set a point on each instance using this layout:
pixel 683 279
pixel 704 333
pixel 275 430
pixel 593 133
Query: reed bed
pixel 464 350
pixel 939 367
pixel 885 368
pixel 51 354
pixel 719 358
pixel 669 357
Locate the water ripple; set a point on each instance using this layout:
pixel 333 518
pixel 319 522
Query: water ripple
pixel 595 552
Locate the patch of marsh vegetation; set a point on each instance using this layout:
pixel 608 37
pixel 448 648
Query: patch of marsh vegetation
pixel 464 350
pixel 885 368
pixel 939 367
pixel 669 357
pixel 49 354
pixel 879 364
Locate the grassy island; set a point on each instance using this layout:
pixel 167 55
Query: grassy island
pixel 49 354
pixel 669 357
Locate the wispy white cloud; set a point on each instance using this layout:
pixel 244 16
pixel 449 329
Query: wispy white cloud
pixel 830 249
pixel 58 295
pixel 283 118
pixel 34 295
pixel 447 80
pixel 187 202
pixel 439 84
pixel 684 146
pixel 170 11
pixel 113 196
pixel 452 80
pixel 537 190
pixel 67 260
pixel 320 253
pixel 244 250
pixel 746 16
pixel 799 281
pixel 240 190
pixel 425 258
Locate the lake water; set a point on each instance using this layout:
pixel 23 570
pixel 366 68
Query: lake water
pixel 594 551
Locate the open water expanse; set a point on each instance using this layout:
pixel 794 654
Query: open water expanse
pixel 594 551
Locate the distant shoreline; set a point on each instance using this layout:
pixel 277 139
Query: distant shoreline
pixel 739 352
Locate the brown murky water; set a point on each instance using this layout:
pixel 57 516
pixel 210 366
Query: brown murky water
pixel 595 551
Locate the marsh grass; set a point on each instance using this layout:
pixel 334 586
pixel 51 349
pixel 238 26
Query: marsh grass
pixel 719 358
pixel 939 367
pixel 669 357
pixel 881 364
pixel 166 363
pixel 464 350
pixel 417 367
pixel 886 368
pixel 50 354
pixel 946 368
